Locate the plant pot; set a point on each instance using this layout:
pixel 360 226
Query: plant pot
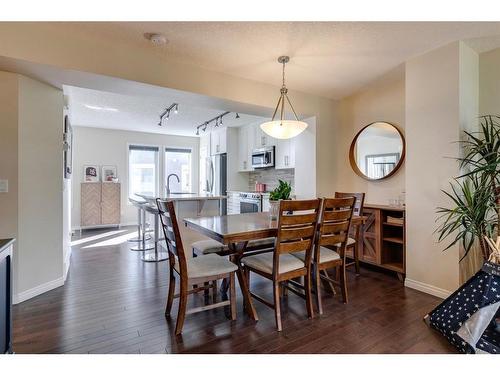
pixel 274 209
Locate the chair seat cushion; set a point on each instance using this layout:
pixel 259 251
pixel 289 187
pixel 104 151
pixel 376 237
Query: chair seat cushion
pixel 208 247
pixel 264 262
pixel 207 265
pixel 325 255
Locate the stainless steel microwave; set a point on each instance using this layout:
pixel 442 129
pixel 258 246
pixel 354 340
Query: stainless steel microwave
pixel 263 157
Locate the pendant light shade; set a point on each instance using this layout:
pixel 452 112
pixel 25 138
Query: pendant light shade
pixel 282 128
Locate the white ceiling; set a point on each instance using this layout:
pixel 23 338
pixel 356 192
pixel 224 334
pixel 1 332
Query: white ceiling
pixel 330 59
pixel 107 110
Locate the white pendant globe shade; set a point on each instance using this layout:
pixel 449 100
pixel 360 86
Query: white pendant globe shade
pixel 283 129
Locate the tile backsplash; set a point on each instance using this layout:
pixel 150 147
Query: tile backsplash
pixel 270 177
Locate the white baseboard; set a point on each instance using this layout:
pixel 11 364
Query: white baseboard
pixel 36 291
pixel 427 288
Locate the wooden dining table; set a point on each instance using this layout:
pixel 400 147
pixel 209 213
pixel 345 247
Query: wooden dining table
pixel 236 231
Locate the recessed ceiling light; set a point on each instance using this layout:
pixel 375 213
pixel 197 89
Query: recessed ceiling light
pixel 156 39
pixel 98 108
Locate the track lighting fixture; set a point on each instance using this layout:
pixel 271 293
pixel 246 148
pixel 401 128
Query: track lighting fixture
pixel 217 120
pixel 166 113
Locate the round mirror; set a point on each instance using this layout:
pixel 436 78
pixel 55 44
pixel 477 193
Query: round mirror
pixel 377 151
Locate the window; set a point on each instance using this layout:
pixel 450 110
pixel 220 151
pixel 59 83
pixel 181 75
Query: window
pixel 178 161
pixel 143 170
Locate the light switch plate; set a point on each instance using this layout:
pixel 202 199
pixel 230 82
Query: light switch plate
pixel 4 186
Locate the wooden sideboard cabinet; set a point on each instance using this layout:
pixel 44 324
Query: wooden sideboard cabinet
pixel 384 242
pixel 100 204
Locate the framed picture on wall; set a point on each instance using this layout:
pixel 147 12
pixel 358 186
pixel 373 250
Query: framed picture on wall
pixel 91 173
pixel 109 173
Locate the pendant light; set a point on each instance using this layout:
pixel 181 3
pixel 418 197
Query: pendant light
pixel 282 128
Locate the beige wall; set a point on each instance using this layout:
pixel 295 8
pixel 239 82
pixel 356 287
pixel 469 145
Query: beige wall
pixel 384 100
pixel 440 102
pixel 8 153
pixel 489 83
pixel 61 46
pixel 31 136
pixel 40 186
pixel 109 147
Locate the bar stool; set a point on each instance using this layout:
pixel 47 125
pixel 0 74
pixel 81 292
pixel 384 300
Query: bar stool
pixel 158 255
pixel 138 238
pixel 144 244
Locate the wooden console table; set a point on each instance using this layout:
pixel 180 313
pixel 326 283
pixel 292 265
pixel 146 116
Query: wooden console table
pixel 384 242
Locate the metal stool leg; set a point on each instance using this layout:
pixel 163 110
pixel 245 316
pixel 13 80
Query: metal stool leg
pixel 143 245
pixel 138 238
pixel 157 255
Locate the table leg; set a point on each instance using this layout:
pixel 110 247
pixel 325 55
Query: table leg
pixel 238 249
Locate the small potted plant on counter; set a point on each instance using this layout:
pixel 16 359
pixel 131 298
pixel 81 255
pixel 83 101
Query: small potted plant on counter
pixel 282 192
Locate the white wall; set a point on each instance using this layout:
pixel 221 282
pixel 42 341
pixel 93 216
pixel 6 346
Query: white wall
pixel 109 147
pixel 383 100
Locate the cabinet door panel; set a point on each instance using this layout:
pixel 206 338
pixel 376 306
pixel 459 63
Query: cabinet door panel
pixel 90 204
pixel 110 206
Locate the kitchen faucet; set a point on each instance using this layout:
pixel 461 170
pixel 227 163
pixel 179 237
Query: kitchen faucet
pixel 168 181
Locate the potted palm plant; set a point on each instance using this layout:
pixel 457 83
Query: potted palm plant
pixel 475 194
pixel 282 192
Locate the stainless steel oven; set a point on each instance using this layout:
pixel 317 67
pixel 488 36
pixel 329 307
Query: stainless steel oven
pixel 263 157
pixel 250 202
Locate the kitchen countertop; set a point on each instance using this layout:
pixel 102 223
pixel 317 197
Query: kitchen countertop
pixel 184 197
pixel 249 191
pixel 5 243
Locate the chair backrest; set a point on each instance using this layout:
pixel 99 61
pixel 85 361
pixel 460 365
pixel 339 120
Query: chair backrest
pixel 334 224
pixel 358 205
pixel 168 219
pixel 297 224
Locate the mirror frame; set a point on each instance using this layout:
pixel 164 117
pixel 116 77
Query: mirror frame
pixel 352 160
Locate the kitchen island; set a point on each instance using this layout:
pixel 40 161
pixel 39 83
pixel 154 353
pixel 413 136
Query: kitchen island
pixel 192 204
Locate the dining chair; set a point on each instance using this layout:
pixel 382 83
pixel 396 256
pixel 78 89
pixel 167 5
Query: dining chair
pixel 353 240
pixel 192 271
pixel 296 230
pixel 330 244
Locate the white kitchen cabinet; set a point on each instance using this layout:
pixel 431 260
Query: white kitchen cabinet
pixel 218 141
pixel 265 203
pixel 261 139
pixel 245 146
pixel 233 202
pixel 285 154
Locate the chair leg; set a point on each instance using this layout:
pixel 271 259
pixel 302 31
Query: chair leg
pixel 232 295
pixel 206 292
pixel 343 282
pixel 277 304
pixel 356 257
pixel 284 289
pixel 317 287
pixel 214 291
pixel 181 315
pixel 307 287
pixel 171 292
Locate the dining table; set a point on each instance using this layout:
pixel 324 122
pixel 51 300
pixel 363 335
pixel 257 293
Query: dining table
pixel 235 231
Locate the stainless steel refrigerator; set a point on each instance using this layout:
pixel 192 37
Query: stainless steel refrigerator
pixel 216 178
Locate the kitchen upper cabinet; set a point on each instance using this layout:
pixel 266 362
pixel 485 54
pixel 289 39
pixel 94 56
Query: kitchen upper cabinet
pixel 262 139
pixel 218 141
pixel 285 153
pixel 245 146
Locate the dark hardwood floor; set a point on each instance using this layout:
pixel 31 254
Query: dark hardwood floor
pixel 114 303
